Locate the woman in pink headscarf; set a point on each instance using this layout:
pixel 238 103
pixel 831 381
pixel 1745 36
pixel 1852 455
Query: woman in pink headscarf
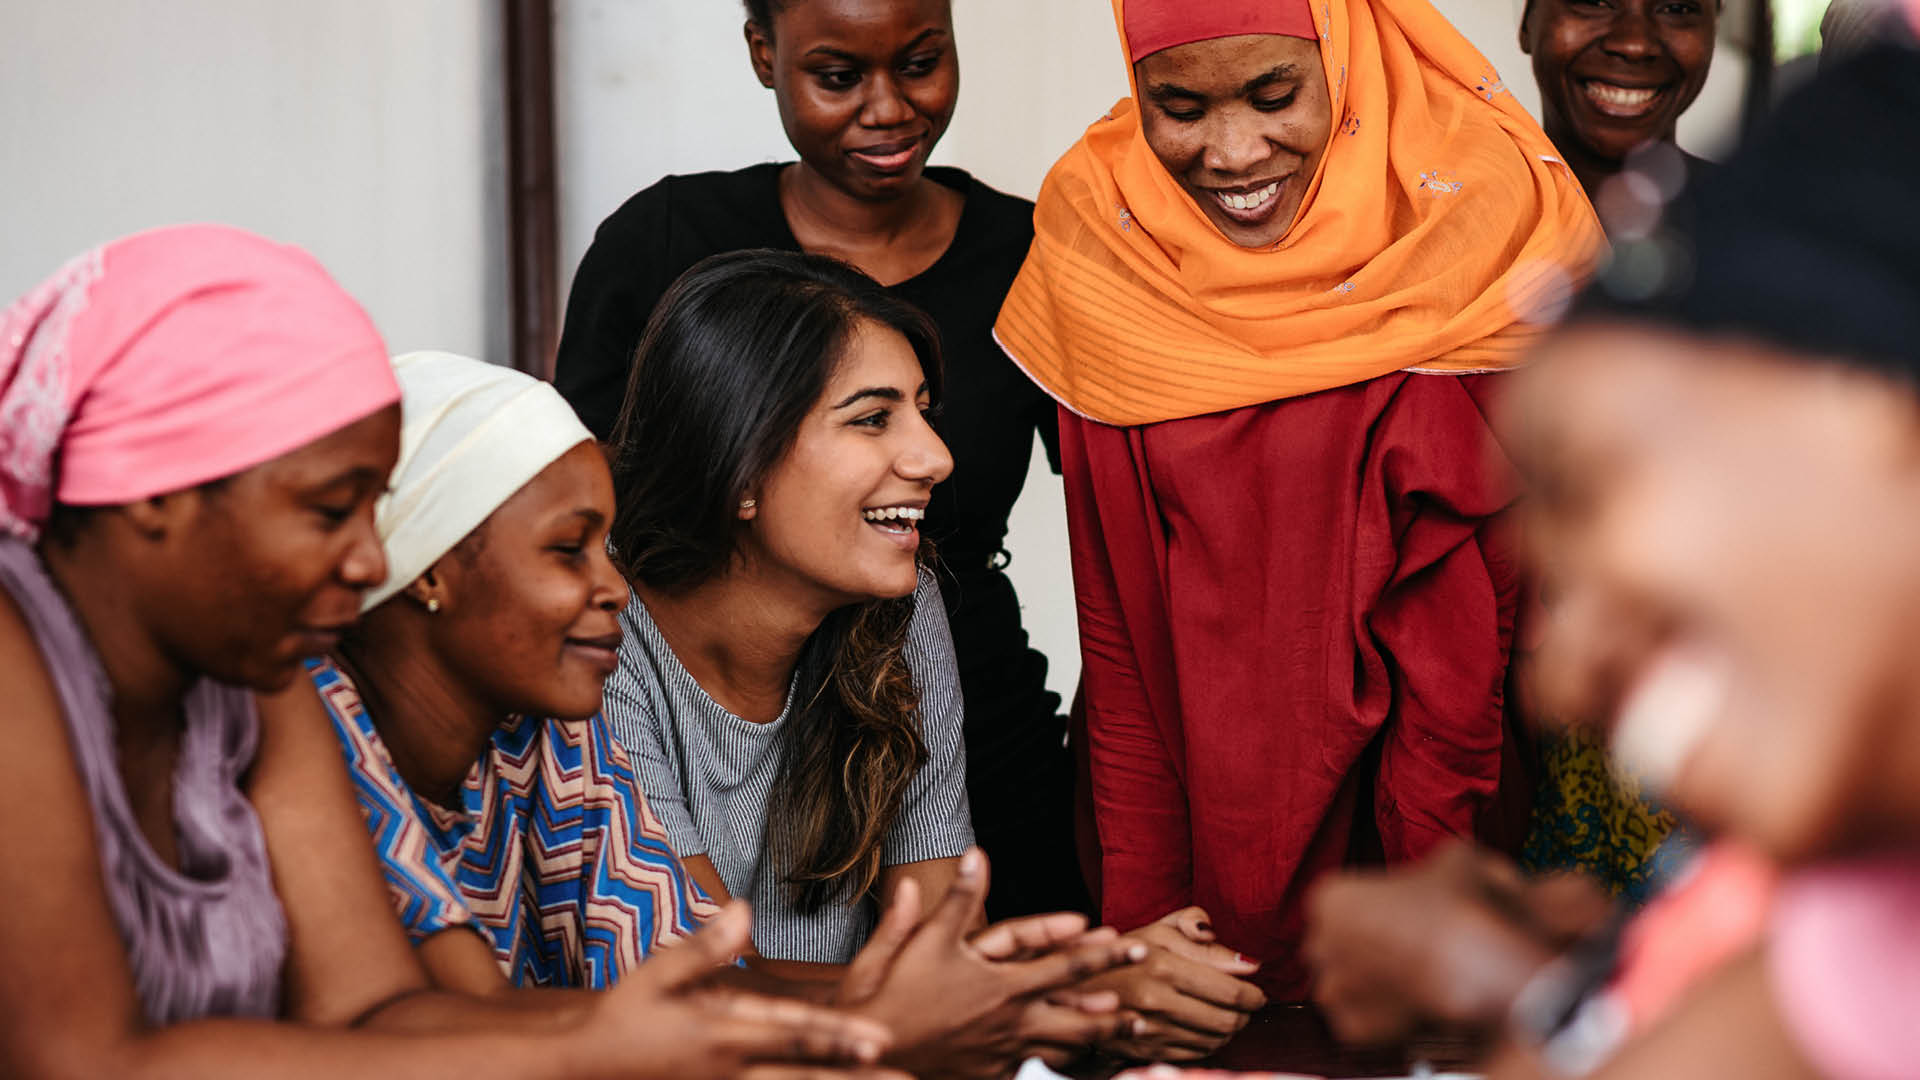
pixel 194 426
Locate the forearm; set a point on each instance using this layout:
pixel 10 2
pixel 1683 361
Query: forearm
pixel 244 1049
pixel 511 1011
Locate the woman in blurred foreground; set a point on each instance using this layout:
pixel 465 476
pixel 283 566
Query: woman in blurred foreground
pixel 1723 449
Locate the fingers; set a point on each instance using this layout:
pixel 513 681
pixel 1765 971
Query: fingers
pixel 1204 983
pixel 964 899
pixel 1193 924
pixel 1216 956
pixel 1074 963
pixel 1015 938
pixel 811 1073
pixel 1097 1001
pixel 801 1072
pixel 869 969
pixel 1044 1022
pixel 724 937
pixel 1566 906
pixel 760 1028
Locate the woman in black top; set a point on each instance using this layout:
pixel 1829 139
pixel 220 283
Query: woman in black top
pixel 865 90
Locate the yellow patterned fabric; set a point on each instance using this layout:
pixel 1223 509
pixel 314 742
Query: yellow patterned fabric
pixel 1588 818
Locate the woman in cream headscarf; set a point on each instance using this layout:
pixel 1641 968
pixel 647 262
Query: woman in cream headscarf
pixel 511 826
pixel 1265 290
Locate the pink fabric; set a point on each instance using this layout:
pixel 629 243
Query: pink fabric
pixel 1153 25
pixel 170 358
pixel 1845 966
pixel 1715 912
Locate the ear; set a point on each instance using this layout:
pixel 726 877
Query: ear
pixel 157 515
pixel 1526 14
pixel 760 52
pixel 428 590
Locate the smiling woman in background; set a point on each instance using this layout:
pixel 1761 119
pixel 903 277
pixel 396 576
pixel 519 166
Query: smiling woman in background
pixel 865 89
pixel 1615 75
pixel 1265 290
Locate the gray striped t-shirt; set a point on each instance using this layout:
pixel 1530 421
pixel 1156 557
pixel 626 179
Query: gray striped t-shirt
pixel 707 774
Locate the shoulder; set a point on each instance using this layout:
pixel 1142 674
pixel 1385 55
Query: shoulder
pixel 990 213
pixel 696 195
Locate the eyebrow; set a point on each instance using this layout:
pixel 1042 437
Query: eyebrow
pixel 1277 73
pixel 841 54
pixel 885 393
pixel 590 516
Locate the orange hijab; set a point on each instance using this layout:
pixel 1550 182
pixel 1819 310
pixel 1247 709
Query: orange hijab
pixel 1440 231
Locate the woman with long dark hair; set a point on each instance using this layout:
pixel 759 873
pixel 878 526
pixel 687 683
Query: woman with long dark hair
pixel 865 90
pixel 786 682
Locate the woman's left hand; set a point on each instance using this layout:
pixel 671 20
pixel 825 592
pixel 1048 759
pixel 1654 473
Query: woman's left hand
pixel 973 1007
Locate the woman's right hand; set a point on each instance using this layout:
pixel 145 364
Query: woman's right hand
pixel 1188 998
pixel 663 1019
pixel 966 1006
pixel 1451 939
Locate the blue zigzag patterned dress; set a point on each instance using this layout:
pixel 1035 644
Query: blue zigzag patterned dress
pixel 556 860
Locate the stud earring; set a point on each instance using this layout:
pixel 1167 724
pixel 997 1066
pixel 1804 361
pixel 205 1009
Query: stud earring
pixel 433 605
pixel 747 504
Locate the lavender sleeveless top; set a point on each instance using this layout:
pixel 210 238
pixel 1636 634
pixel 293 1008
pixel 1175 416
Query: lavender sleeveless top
pixel 209 938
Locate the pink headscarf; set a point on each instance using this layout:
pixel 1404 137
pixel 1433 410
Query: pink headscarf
pixel 170 358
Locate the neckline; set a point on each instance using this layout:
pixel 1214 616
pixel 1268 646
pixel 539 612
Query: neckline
pixel 964 185
pixel 642 619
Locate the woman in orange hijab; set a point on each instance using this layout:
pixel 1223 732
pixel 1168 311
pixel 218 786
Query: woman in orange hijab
pixel 1268 290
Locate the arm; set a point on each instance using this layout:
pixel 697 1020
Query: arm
pixel 1444 618
pixel 68 1007
pixel 67 1002
pixel 1139 801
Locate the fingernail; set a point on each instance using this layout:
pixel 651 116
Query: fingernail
pixel 1136 952
pixel 970 863
pixel 1204 927
pixel 867 1050
pixel 1245 959
pixel 1139 1028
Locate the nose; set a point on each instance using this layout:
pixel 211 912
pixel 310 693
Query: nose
pixel 1630 34
pixel 1235 146
pixel 610 592
pixel 365 563
pixel 884 105
pixel 925 458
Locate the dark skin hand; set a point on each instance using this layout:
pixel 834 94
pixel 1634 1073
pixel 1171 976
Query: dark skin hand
pixel 973 1006
pixel 1451 939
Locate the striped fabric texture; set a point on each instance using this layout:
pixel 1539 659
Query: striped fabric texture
pixel 708 772
pixel 556 860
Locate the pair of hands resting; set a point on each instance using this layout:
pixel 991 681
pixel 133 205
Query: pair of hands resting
pixel 1189 995
pixel 973 1005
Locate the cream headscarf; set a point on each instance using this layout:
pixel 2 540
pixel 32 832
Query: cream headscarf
pixel 471 435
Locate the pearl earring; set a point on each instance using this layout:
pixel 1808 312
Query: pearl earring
pixel 433 605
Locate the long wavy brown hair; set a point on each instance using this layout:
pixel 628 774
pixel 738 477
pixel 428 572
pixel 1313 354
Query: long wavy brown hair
pixel 737 353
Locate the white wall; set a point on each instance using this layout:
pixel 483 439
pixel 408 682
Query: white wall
pixel 651 87
pixel 367 131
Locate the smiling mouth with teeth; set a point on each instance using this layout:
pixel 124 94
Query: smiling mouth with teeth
pixel 1249 200
pixel 1621 100
pixel 894 519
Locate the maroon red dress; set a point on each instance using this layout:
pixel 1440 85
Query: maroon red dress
pixel 1296 620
